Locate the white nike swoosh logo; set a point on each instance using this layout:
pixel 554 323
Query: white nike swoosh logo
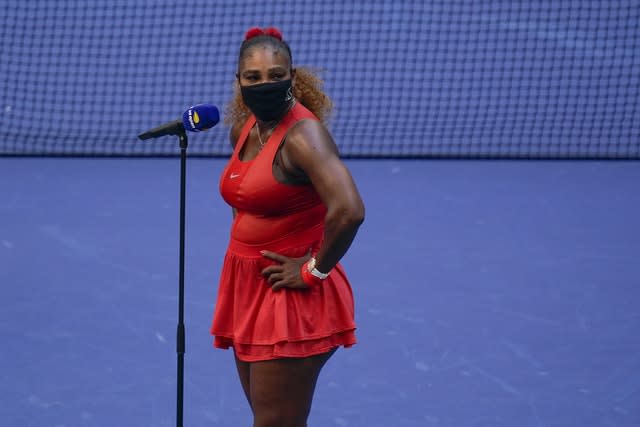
pixel 234 175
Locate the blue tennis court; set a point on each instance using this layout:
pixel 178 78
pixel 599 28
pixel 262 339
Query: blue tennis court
pixel 488 293
pixel 497 149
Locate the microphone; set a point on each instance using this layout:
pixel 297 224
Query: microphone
pixel 195 119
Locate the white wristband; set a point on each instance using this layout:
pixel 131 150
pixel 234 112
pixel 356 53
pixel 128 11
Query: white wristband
pixel 311 266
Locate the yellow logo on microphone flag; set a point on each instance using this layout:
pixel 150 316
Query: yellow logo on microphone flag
pixel 196 118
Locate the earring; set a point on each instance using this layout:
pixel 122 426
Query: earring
pixel 289 95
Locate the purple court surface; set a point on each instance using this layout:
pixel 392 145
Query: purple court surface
pixel 488 293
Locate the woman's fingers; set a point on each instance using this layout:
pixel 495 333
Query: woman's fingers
pixel 275 277
pixel 287 283
pixel 286 274
pixel 267 271
pixel 277 286
pixel 274 256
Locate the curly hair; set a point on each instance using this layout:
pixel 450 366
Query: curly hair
pixel 308 88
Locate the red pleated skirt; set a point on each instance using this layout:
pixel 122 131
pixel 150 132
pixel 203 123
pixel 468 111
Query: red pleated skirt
pixel 261 324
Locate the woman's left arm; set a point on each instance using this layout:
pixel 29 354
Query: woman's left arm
pixel 311 150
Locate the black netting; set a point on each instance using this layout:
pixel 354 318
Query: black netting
pixel 409 78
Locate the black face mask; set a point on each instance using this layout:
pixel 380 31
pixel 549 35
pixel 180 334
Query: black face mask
pixel 268 101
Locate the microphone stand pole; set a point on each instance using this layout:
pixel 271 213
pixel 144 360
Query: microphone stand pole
pixel 176 128
pixel 180 344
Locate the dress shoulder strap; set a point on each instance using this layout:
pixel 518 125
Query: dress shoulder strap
pixel 297 113
pixel 244 133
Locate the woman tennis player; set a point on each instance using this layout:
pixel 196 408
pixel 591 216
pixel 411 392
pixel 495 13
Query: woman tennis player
pixel 284 302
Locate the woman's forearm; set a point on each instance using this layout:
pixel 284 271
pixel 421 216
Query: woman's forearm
pixel 341 227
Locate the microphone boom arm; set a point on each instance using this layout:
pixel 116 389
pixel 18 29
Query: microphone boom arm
pixel 172 128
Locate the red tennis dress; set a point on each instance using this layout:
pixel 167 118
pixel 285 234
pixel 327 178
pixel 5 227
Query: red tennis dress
pixel 258 323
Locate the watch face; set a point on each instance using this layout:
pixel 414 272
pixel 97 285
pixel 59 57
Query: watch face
pixel 312 264
pixel 318 274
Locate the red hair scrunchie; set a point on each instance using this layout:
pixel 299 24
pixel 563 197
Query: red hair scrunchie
pixel 269 31
pixel 253 32
pixel 273 32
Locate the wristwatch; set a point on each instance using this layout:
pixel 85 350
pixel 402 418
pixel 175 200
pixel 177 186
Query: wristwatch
pixel 311 267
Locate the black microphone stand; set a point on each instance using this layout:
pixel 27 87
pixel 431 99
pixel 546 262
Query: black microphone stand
pixel 176 128
pixel 180 344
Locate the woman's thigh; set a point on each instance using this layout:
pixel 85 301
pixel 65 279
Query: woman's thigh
pixel 281 390
pixel 244 373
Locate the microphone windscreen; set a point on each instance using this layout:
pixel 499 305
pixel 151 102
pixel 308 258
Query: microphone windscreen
pixel 200 117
